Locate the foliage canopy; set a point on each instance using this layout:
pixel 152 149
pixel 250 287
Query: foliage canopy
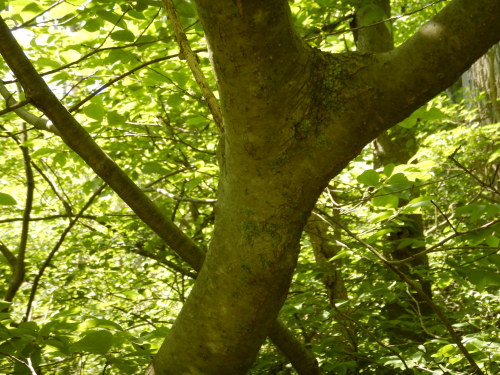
pixel 101 290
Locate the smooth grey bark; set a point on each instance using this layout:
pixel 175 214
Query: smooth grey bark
pixel 294 117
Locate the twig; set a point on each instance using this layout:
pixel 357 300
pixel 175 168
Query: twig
pixel 469 172
pixel 377 23
pixel 56 247
pixel 182 199
pixel 27 23
pixel 373 336
pixel 187 53
pixel 13 105
pixel 445 217
pixel 19 270
pixel 116 79
pixel 26 363
pixel 442 242
pixel 454 336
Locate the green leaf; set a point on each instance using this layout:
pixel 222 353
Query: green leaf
pixel 99 322
pixel 185 8
pixel 95 111
pixel 153 167
pixel 492 241
pixel 416 203
pixel 483 278
pixel 95 342
pixel 369 178
pixel 41 152
pixel 341 254
pixel 60 159
pixel 47 63
pixel 445 351
pixel 398 182
pixel 387 201
pixel 112 17
pixel 114 118
pixel 388 169
pixel 494 156
pixel 7 200
pixel 92 25
pixel 175 100
pixel 60 343
pixel 123 36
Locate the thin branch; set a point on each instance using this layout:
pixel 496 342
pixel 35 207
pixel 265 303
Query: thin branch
pixel 48 9
pixel 182 199
pixel 12 104
pixel 25 363
pixel 169 264
pixel 56 247
pixel 445 217
pixel 373 336
pixel 76 106
pixel 390 19
pixel 9 255
pixel 62 216
pixel 454 336
pixel 469 172
pixel 19 270
pixel 66 205
pixel 14 107
pixel 187 53
pixel 442 242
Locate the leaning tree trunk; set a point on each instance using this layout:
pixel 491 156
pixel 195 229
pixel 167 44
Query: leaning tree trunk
pixel 292 121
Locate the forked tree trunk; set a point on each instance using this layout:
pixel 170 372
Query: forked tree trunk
pixel 293 118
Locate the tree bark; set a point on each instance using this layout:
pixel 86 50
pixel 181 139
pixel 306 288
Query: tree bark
pixel 484 77
pixel 292 121
pixel 293 117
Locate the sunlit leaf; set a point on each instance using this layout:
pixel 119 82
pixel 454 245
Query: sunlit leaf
pixel 387 201
pixel 7 200
pixel 95 342
pixel 369 178
pixel 123 36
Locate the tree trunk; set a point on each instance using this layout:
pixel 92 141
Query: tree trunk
pixel 397 145
pixel 293 118
pixel 484 78
pixel 324 250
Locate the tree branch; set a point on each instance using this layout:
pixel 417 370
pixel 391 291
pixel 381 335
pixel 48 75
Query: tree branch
pixel 56 248
pixel 19 268
pixel 454 336
pixel 37 122
pixel 433 58
pixel 435 247
pixel 75 136
pixel 9 255
pixel 187 53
